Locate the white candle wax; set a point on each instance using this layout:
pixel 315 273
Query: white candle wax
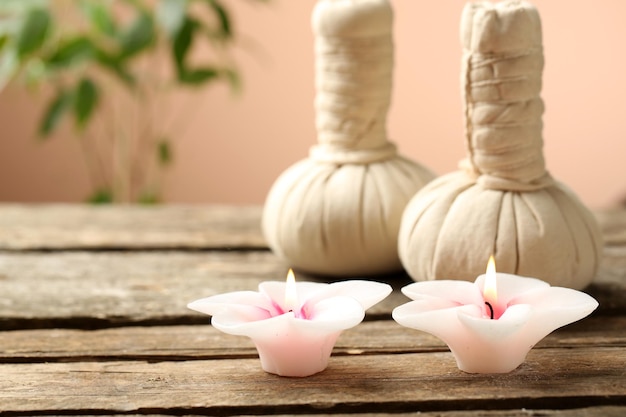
pixel 524 312
pixel 293 328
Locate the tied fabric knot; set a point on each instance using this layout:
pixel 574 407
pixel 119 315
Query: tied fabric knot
pixel 353 84
pixel 338 155
pixel 494 182
pixel 503 113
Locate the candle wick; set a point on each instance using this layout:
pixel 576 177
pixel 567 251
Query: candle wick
pixel 490 309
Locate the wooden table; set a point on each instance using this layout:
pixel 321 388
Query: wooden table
pixel 92 308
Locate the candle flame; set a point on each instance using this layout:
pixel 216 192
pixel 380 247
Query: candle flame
pixel 490 290
pixel 291 293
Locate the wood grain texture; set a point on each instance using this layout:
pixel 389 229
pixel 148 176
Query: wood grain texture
pixel 95 289
pixel 394 383
pixel 613 225
pixel 71 226
pixel 599 411
pixel 129 272
pixel 162 343
pixel 88 290
pixel 100 289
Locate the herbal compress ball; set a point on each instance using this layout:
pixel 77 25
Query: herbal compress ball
pixel 503 201
pixel 338 211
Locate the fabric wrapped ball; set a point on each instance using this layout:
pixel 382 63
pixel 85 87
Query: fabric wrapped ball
pixel 503 201
pixel 452 226
pixel 338 211
pixel 341 220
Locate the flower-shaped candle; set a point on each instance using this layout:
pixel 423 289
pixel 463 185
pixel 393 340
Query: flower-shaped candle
pixel 490 325
pixel 294 325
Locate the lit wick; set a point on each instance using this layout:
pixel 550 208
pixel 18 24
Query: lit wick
pixel 490 292
pixel 490 310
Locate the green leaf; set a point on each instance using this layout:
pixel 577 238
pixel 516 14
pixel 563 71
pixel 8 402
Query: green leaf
pixel 59 105
pixel 138 36
pixel 171 15
pixel 116 65
pixel 71 51
pixel 34 72
pixel 164 152
pixel 233 79
pixel 33 33
pixel 222 17
pixel 9 65
pixel 198 76
pixel 85 101
pixel 3 41
pixel 100 17
pixel 101 196
pixel 182 43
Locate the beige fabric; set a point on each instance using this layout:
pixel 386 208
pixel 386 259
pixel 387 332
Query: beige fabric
pixel 502 201
pixel 338 212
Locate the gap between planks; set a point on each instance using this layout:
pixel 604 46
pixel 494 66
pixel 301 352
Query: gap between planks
pixel 103 289
pixel 548 378
pixel 176 343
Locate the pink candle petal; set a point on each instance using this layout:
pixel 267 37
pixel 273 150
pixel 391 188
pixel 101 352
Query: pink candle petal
pixel 329 315
pixel 338 313
pixel 231 321
pixel 215 303
pixel 462 292
pixel 556 307
pixel 494 346
pixel 525 311
pixel 294 340
pixel 275 290
pixel 428 315
pixel 367 293
pixel 490 331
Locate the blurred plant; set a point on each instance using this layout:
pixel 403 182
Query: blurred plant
pixel 110 64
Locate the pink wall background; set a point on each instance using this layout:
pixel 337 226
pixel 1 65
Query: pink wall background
pixel 235 147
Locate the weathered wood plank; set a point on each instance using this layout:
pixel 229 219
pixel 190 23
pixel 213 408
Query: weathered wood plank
pixel 613 225
pixel 599 411
pixel 363 383
pixel 71 226
pixel 158 343
pixel 377 367
pixel 609 287
pixel 100 289
pixel 95 289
